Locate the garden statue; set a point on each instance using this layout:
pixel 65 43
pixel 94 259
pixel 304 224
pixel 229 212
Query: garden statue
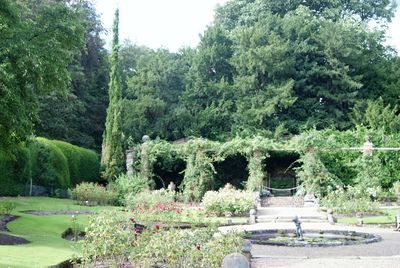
pixel 299 231
pixel 171 186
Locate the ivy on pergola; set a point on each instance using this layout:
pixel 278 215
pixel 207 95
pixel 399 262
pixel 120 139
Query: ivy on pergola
pixel 200 154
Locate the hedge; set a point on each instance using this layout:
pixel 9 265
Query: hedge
pixel 49 163
pixel 83 163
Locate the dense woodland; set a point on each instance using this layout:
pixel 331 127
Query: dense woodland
pixel 262 67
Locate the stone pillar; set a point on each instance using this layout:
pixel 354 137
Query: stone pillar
pixel 129 161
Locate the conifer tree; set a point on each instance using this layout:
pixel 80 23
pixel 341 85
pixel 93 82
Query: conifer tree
pixel 112 158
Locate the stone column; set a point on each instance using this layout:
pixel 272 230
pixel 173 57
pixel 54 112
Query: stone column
pixel 130 154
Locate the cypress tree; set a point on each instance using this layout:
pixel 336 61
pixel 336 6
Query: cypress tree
pixel 112 156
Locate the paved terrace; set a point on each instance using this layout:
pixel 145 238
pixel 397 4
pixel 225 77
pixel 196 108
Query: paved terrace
pixel 385 254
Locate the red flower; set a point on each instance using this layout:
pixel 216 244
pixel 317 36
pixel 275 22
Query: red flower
pixel 157 226
pixel 198 246
pixel 132 220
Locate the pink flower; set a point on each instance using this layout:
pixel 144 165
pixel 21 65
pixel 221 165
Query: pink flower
pixel 132 220
pixel 157 226
pixel 198 246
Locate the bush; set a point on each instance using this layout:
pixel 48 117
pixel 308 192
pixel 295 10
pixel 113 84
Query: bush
pixel 125 184
pixel 88 193
pixel 147 199
pixel 226 200
pixel 49 165
pixel 7 207
pixel 349 202
pixel 111 240
pixel 55 165
pixel 14 171
pixel 83 164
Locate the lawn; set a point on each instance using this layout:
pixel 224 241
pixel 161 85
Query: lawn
pixel 387 218
pixel 46 247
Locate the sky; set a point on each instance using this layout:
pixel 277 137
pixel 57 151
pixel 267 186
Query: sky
pixel 174 24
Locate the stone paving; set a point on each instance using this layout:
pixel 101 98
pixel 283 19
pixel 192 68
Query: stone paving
pixel 385 254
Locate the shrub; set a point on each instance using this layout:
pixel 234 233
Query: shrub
pixel 88 193
pixel 111 239
pixel 7 207
pixel 83 164
pixel 49 165
pixel 11 183
pixel 351 201
pixel 226 200
pixel 107 236
pixel 148 199
pixel 125 184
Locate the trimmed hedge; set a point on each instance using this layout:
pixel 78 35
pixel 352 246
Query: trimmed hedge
pixel 84 164
pixel 49 163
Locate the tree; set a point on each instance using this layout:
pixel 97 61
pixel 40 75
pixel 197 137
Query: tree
pixel 112 155
pixel 78 115
pixel 38 41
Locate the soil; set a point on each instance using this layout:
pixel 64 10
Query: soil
pixel 69 235
pixel 57 212
pixel 4 220
pixel 7 239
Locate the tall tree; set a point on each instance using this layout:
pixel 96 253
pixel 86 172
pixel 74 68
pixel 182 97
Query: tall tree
pixel 38 41
pixel 78 115
pixel 112 155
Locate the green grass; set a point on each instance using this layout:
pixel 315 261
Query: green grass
pixel 46 247
pixel 387 218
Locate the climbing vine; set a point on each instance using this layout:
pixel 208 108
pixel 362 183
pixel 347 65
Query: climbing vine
pixel 327 166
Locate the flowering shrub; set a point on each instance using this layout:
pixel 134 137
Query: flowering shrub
pixel 93 194
pixel 226 200
pixel 350 201
pixel 111 239
pixel 148 199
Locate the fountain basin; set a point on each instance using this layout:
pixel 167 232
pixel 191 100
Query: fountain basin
pixel 311 238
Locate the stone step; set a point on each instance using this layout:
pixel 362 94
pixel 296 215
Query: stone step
pixel 286 214
pixel 280 201
pixel 269 218
pixel 289 211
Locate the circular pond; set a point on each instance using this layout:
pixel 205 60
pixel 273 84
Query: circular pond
pixel 311 238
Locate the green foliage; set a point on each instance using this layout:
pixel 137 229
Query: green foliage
pixel 49 165
pixel 12 175
pixel 314 177
pixel 199 174
pixel 110 238
pixel 226 200
pixel 377 116
pixel 147 199
pixel 78 115
pixel 106 237
pixel 126 185
pixel 396 187
pixel 112 154
pixel 350 201
pixel 90 194
pixel 6 207
pixel 83 164
pixel 41 37
pixel 369 172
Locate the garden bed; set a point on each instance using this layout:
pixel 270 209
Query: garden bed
pixel 6 239
pixel 4 220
